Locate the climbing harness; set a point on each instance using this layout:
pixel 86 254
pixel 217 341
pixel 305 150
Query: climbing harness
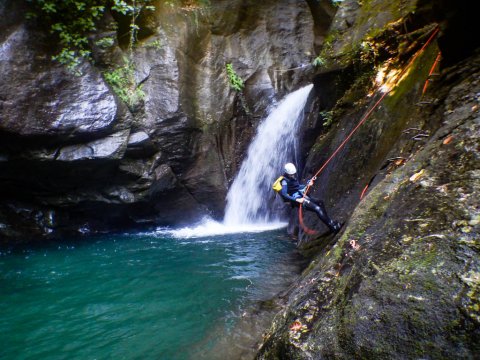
pixel 306 229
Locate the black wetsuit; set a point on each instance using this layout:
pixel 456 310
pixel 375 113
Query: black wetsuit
pixel 292 190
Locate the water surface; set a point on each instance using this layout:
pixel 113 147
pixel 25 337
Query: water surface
pixel 139 296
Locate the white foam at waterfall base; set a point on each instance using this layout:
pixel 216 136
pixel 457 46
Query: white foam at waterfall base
pixel 209 227
pixel 251 206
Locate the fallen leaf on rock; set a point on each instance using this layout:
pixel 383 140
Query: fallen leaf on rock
pixel 448 140
pixel 417 175
pixel 354 244
pixel 296 326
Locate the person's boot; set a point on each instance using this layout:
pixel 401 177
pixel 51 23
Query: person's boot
pixel 334 226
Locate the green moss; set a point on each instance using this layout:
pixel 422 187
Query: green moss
pixel 472 296
pixel 323 60
pixel 329 40
pixel 391 11
pixel 122 81
pixel 415 77
pixel 374 19
pixel 374 32
pixel 337 252
pixel 357 92
pixel 157 44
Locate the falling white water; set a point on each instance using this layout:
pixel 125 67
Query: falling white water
pixel 249 200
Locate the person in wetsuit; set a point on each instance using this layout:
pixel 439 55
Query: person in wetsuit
pixel 292 191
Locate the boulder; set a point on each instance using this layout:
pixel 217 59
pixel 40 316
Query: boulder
pixel 140 145
pixel 110 147
pixel 39 98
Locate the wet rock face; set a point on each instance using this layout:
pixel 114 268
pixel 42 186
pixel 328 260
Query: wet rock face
pixel 402 279
pixel 74 159
pixel 39 98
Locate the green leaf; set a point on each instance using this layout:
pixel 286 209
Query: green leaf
pixel 49 7
pixel 30 15
pixel 57 27
pixel 80 5
pixel 319 62
pixel 236 82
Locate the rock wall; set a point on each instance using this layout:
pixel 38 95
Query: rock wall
pixel 75 159
pixel 401 280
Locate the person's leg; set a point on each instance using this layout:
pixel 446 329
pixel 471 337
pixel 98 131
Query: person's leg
pixel 318 207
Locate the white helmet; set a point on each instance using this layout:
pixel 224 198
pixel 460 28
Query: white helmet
pixel 290 169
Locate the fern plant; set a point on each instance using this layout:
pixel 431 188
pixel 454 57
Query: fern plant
pixel 236 81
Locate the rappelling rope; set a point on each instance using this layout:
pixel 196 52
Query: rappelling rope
pixel 361 122
pixel 437 59
pixel 294 68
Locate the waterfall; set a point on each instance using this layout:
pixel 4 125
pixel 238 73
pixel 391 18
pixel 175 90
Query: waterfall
pixel 250 198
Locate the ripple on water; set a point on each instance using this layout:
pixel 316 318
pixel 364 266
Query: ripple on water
pixel 139 295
